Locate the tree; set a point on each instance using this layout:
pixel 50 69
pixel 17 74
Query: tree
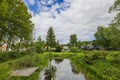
pixel 115 8
pixel 39 45
pixel 15 22
pixel 73 40
pixel 58 47
pixel 109 37
pixel 3 18
pixel 115 25
pixel 50 39
pixel 113 35
pixel 102 38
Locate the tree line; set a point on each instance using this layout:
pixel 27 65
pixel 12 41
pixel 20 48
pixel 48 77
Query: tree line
pixel 15 25
pixel 109 37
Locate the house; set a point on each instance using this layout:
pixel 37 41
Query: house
pixel 90 47
pixel 3 47
pixel 65 48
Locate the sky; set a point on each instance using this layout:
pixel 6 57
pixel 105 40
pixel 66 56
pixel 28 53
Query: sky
pixel 81 17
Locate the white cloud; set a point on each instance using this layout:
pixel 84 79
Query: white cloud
pixel 50 1
pixel 81 18
pixel 32 2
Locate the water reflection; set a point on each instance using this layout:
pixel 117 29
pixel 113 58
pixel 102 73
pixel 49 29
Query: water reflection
pixel 50 72
pixel 63 71
pixel 58 60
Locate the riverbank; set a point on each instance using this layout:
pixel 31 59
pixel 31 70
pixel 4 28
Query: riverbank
pixel 36 60
pixel 98 65
pixel 95 65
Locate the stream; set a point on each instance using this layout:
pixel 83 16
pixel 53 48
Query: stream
pixel 61 71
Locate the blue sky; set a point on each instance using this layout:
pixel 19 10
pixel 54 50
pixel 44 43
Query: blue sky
pixel 33 5
pixel 81 17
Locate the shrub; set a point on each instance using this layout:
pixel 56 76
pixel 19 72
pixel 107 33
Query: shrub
pixel 114 57
pixel 58 49
pixel 4 56
pixel 25 62
pixel 91 57
pixel 28 61
pixel 88 59
pixel 38 47
pixel 74 49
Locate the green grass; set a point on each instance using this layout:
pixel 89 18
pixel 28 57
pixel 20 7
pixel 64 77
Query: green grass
pixel 101 67
pixel 5 69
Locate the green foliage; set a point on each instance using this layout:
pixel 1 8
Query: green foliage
pixel 4 56
pixel 92 57
pixel 50 39
pixel 25 62
pixel 100 69
pixel 97 67
pixel 35 60
pixel 102 37
pixel 116 23
pixel 74 49
pixel 89 59
pixel 114 57
pixel 79 44
pixel 39 45
pixel 73 40
pixel 28 61
pixel 15 22
pixel 58 48
pixel 109 37
pixel 116 6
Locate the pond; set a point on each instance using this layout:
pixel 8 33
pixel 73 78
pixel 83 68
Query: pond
pixel 60 71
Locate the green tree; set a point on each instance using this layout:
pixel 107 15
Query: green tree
pixel 3 18
pixel 102 37
pixel 39 45
pixel 115 25
pixel 109 37
pixel 113 35
pixel 58 47
pixel 50 38
pixel 73 40
pixel 15 22
pixel 79 44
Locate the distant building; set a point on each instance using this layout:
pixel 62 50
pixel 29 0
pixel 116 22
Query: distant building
pixel 65 48
pixel 3 47
pixel 90 47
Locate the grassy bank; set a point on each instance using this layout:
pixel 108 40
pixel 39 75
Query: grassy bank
pixel 38 60
pixel 95 65
pixel 98 65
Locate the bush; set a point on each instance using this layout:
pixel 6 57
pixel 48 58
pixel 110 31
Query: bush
pixel 25 62
pixel 74 49
pixel 38 47
pixel 4 56
pixel 90 58
pixel 28 61
pixel 114 57
pixel 58 49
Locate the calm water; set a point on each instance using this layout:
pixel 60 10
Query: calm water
pixel 63 71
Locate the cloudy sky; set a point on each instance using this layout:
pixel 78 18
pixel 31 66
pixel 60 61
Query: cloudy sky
pixel 81 17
